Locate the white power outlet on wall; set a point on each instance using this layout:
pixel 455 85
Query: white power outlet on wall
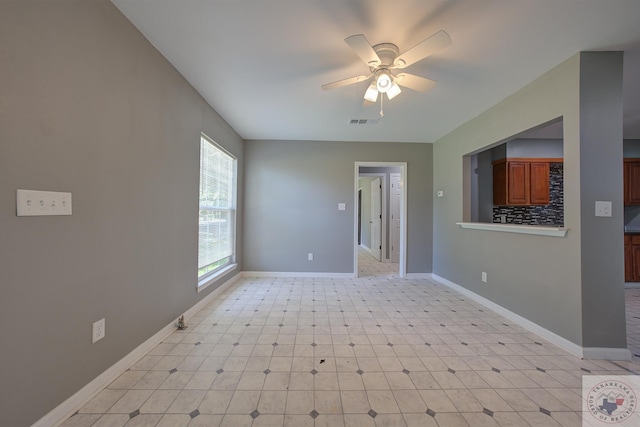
pixel 484 276
pixel 98 331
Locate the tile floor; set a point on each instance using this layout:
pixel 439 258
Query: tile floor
pixel 373 351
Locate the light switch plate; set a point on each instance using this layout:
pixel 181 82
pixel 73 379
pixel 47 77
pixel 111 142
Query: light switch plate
pixel 40 203
pixel 342 206
pixel 603 208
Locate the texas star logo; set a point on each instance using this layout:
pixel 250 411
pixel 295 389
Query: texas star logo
pixel 611 401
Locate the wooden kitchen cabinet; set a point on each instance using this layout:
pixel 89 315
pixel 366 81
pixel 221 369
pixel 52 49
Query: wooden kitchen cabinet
pixel 632 257
pixel 631 181
pixel 521 182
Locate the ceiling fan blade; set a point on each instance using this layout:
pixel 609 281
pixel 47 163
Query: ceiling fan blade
pixel 345 82
pixel 414 82
pixel 425 48
pixel 363 49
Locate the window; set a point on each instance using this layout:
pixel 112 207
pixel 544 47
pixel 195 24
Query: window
pixel 216 222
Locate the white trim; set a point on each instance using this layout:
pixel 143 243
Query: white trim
pixel 60 413
pixel 515 228
pixel 418 276
pixel 296 274
pixel 210 280
pixel 606 353
pixel 554 338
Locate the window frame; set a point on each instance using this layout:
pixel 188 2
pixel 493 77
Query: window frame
pixel 230 264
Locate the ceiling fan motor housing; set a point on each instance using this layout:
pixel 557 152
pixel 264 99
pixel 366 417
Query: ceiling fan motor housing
pixel 387 52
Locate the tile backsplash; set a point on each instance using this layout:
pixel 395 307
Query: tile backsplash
pixel 551 214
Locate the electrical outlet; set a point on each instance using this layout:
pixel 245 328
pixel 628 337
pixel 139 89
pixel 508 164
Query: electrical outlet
pixel 310 256
pixel 484 276
pixel 98 331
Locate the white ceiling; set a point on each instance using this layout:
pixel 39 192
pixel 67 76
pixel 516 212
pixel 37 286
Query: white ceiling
pixel 260 63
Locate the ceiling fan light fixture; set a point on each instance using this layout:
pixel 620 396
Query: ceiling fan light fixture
pixel 383 81
pixel 394 90
pixel 372 93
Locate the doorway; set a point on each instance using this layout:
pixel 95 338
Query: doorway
pixel 390 246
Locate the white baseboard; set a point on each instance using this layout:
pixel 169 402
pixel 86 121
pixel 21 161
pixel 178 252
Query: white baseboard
pixel 296 274
pixel 418 276
pixel 60 413
pixel 606 353
pixel 554 338
pixel 366 248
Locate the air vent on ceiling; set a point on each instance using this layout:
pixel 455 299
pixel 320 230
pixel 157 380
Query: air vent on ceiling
pixel 363 121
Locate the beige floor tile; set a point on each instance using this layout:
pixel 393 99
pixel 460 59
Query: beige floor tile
pixel 272 402
pixel 383 401
pixel 174 420
pixel 277 381
pixel 268 420
pixel 480 420
pixel 144 420
pixel 538 419
pixel 510 419
pixel 215 402
pixel 329 420
pixel 410 401
pixel 399 381
pixel 204 420
pixel 298 421
pixel 359 420
pixel 243 402
pixel 299 402
pixel 350 381
pixel 447 380
pixel 102 402
pixel 451 420
pixel 326 381
pixel 464 400
pixel 375 381
pixel 437 401
pixel 491 400
pixel 131 401
pixel 390 420
pixel 420 420
pixel 355 402
pixel 159 401
pixel 301 381
pixel 328 402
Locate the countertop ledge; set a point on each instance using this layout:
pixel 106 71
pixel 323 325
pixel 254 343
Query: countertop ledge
pixel 515 228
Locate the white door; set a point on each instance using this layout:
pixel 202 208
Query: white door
pixel 376 219
pixel 396 191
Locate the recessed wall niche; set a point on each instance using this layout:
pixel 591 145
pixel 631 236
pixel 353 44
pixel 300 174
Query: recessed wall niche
pixel 518 180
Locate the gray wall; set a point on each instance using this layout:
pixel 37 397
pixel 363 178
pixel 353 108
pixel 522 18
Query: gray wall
pixel 292 189
pixel 90 107
pixel 539 278
pixel 631 148
pixel 535 148
pixel 601 179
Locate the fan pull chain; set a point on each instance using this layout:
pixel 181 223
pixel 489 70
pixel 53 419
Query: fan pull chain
pixel 381 106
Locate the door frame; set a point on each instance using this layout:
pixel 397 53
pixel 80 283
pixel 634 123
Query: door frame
pixel 403 213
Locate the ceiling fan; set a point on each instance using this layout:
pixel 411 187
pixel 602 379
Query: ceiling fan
pixel 383 57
